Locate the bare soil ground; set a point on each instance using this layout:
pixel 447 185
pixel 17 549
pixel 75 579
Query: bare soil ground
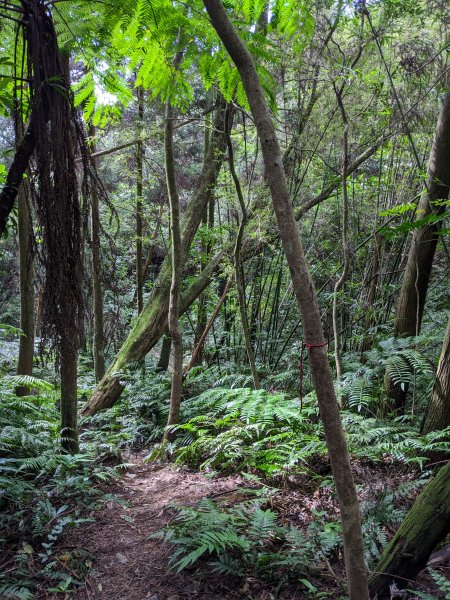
pixel 128 564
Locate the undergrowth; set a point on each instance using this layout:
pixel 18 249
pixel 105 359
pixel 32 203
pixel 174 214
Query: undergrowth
pixel 43 493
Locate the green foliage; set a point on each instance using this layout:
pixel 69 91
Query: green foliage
pixel 242 429
pixel 43 492
pixel 401 358
pixel 247 539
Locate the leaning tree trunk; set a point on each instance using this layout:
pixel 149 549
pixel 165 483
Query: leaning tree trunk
pixel 424 527
pixel 16 173
pixel 305 293
pixel 152 322
pixel 411 302
pixel 437 414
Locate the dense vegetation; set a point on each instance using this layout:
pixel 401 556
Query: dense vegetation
pixel 221 223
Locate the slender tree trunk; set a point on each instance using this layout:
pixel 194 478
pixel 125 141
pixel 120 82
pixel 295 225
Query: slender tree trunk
pixel 26 278
pixel 201 341
pixel 139 183
pixel 153 322
pixel 424 527
pixel 164 355
pixel 207 221
pixel 97 292
pixel 371 296
pixel 15 175
pixel 153 319
pixel 345 243
pixel 69 420
pixel 240 282
pixel 175 253
pixel 305 293
pixel 411 302
pixel 437 414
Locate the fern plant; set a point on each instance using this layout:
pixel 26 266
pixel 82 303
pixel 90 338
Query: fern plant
pixel 400 358
pixel 246 539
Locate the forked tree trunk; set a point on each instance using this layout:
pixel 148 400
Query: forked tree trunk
pixel 411 302
pixel 424 527
pixel 437 414
pixel 175 254
pixel 152 322
pixel 305 293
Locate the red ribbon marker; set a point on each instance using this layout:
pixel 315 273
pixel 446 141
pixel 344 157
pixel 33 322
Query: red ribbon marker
pixel 308 347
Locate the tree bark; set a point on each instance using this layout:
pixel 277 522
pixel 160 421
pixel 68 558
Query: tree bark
pixel 139 183
pixel 345 243
pixel 69 420
pixel 240 281
pixel 201 341
pixel 411 302
pixel 15 175
pixel 152 322
pixel 26 278
pixel 305 293
pixel 424 527
pixel 164 355
pixel 437 414
pixel 175 253
pixel 97 292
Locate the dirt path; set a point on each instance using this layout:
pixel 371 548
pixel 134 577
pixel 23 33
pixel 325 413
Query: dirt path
pixel 129 565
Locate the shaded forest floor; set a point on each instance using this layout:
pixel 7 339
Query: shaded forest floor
pixel 125 562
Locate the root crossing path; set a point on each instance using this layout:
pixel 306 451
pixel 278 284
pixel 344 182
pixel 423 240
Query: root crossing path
pixel 127 564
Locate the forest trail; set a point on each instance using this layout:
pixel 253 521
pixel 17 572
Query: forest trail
pixel 127 563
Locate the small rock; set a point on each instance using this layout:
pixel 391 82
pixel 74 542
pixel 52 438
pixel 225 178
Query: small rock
pixel 121 558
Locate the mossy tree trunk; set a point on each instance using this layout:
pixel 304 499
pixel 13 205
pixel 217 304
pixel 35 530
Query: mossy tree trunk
pixel 437 414
pixel 306 296
pixel 424 527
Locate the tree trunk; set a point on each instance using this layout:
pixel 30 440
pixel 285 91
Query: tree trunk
pixel 97 292
pixel 164 355
pixel 26 276
pixel 15 174
pixel 345 244
pixel 152 322
pixel 175 253
pixel 69 426
pixel 437 414
pixel 240 281
pixel 417 273
pixel 305 293
pixel 201 341
pixel 424 527
pixel 139 183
